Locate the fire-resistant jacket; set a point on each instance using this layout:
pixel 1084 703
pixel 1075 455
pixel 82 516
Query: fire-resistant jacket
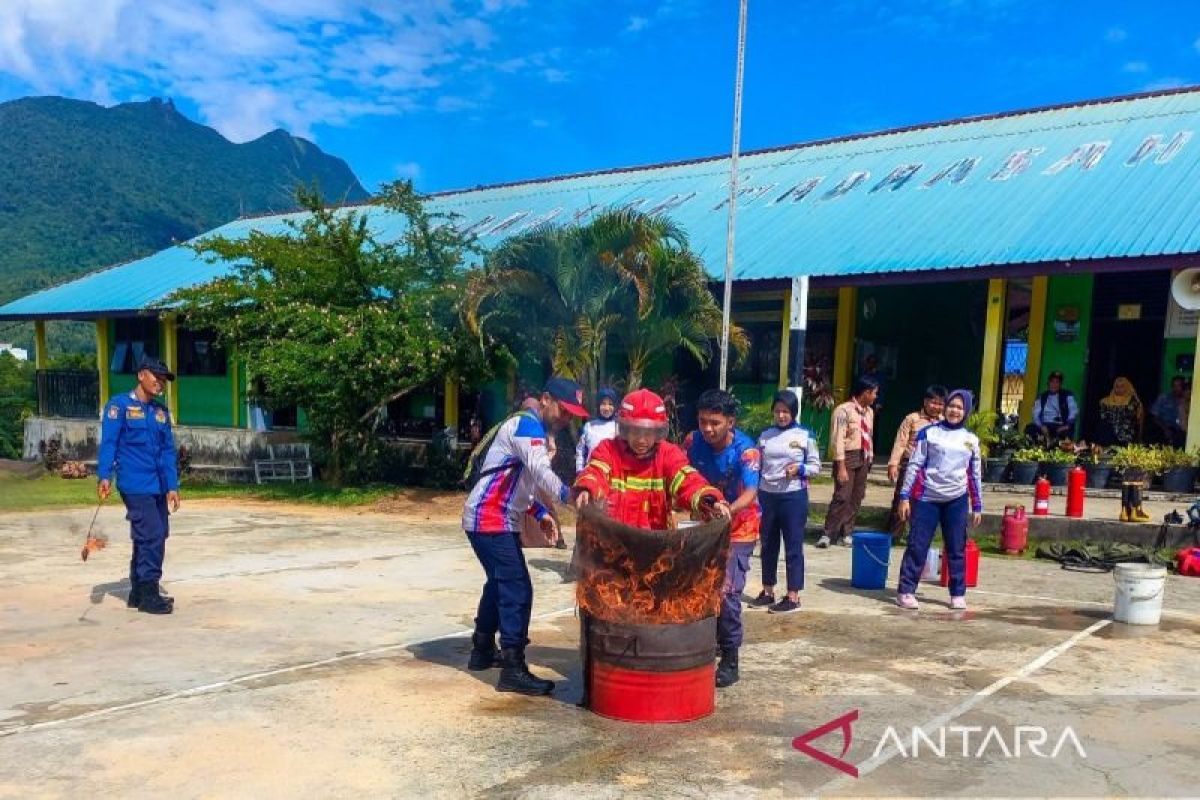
pixel 516 469
pixel 642 491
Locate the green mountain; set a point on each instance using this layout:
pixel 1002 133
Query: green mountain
pixel 83 186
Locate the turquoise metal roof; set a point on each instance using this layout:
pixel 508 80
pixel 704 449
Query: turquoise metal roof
pixel 1111 179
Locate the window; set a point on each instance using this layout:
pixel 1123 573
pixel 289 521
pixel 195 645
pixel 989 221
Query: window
pixel 199 353
pixel 133 338
pixel 761 364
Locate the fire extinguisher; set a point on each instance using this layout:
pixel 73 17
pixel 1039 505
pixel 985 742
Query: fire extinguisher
pixel 1076 479
pixel 1041 497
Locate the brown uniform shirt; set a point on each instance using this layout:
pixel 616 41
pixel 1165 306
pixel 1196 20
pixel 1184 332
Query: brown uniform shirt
pixel 906 437
pixel 847 433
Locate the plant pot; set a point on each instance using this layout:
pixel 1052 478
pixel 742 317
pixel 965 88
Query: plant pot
pixel 1179 480
pixel 1098 475
pixel 1024 473
pixel 994 469
pixel 1055 473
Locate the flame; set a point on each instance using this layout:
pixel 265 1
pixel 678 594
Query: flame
pixel 664 587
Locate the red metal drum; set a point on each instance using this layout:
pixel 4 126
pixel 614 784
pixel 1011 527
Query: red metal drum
pixel 650 673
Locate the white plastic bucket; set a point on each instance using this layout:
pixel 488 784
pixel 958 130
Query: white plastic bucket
pixel 1139 597
pixel 933 565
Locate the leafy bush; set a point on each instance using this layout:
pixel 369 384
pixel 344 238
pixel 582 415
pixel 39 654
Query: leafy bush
pixel 1029 455
pixel 1173 458
pixel 1138 458
pixel 983 425
pixel 1058 456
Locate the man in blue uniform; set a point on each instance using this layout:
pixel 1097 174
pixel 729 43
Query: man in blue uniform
pixel 136 442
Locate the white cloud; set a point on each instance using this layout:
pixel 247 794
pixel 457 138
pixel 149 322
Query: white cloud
pixel 407 169
pixel 1135 67
pixel 1116 35
pixel 636 24
pixel 554 75
pixel 252 65
pixel 449 103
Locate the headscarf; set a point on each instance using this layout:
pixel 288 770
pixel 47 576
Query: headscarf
pixel 789 399
pixel 611 396
pixel 968 401
pixel 1122 393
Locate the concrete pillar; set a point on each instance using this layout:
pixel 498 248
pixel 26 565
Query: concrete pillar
pixel 1037 338
pixel 41 356
pixel 993 345
pixel 843 343
pixel 103 345
pixel 170 341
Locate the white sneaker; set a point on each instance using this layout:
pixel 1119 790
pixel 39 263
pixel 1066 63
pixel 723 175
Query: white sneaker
pixel 958 603
pixel 823 542
pixel 909 601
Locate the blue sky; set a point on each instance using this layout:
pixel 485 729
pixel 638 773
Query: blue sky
pixel 457 93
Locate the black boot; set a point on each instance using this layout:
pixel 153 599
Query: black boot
pixel 727 667
pixel 484 654
pixel 516 677
pixel 150 601
pixel 135 594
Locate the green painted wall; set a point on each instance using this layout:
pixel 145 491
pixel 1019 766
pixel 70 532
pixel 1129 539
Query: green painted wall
pixel 205 400
pixel 938 335
pixel 1171 349
pixel 1068 357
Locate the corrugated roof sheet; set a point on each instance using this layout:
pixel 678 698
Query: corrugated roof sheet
pixel 1110 179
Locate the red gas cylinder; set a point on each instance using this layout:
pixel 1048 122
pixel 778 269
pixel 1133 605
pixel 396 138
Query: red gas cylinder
pixel 1076 481
pixel 972 565
pixel 1014 533
pixel 1041 497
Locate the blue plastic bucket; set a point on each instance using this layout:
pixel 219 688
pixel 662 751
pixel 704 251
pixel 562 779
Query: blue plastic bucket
pixel 869 563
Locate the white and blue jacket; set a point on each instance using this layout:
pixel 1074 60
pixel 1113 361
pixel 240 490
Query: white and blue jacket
pixel 592 433
pixel 782 447
pixel 944 466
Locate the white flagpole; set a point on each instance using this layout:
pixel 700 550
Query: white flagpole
pixel 733 192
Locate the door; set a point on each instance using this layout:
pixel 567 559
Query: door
pixel 1128 316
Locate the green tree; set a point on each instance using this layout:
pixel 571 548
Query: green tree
pixel 327 317
pixel 561 293
pixel 18 399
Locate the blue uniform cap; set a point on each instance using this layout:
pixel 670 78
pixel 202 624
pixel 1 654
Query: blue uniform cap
pixel 157 367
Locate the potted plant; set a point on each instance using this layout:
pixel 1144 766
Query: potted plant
pixel 1055 462
pixel 1025 464
pixel 1178 470
pixel 1095 461
pixel 1136 462
pixel 983 425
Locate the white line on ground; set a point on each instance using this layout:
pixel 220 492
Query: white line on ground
pixel 871 764
pixel 209 688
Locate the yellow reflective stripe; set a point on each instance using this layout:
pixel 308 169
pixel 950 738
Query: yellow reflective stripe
pixel 600 465
pixel 679 478
pixel 645 484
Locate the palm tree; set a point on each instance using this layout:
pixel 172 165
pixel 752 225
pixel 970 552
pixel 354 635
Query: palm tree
pixel 561 292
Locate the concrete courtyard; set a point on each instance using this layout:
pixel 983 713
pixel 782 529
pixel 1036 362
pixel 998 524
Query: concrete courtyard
pixel 320 653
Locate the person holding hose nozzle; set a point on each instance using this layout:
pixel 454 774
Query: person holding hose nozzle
pixel 942 486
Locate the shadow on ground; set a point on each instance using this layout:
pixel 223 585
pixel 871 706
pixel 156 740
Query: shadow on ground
pixel 453 653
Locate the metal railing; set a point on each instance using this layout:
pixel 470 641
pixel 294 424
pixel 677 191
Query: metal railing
pixel 68 393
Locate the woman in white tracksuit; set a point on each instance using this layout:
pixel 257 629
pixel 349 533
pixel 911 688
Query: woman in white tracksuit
pixel 790 458
pixel 595 431
pixel 942 486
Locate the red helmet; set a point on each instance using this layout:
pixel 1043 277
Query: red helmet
pixel 643 409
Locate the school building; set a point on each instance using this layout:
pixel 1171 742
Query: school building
pixel 981 252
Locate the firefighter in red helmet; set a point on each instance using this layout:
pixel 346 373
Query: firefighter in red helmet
pixel 640 476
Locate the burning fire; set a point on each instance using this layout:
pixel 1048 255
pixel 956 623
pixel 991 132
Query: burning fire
pixel 93 544
pixel 636 576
